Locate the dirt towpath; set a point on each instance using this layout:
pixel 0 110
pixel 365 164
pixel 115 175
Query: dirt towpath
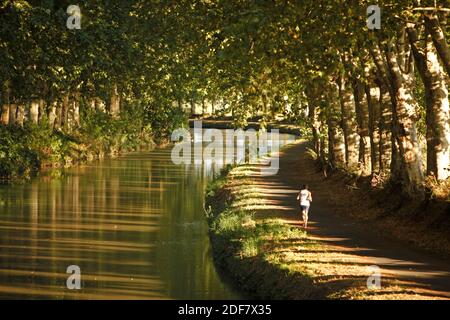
pixel 343 234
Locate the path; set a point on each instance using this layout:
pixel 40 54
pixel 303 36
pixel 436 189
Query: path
pixel 397 259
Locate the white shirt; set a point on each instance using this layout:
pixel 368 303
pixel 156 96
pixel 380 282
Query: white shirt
pixel 304 198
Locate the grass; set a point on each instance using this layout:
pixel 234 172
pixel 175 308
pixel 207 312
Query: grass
pixel 270 258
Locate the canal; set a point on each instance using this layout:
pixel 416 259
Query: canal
pixel 134 225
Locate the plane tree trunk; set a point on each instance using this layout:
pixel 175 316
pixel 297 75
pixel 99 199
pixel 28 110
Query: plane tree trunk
pixel 349 124
pixel 402 77
pixel 437 104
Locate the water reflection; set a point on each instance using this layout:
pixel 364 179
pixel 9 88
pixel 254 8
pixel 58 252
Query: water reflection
pixel 134 225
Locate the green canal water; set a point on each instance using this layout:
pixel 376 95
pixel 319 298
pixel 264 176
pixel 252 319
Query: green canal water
pixel 134 225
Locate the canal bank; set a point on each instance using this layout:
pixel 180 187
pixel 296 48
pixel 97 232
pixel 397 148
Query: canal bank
pixel 257 239
pixel 29 149
pixel 225 123
pixel 244 247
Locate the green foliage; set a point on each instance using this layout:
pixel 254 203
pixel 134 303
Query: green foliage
pixel 16 156
pixel 23 150
pixel 164 119
pixel 103 134
pixel 229 223
pixel 419 93
pixel 240 226
pixel 258 58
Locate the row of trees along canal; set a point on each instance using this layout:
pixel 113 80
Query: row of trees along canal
pixel 374 101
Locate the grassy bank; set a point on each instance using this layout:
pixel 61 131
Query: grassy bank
pixel 242 246
pixel 271 258
pixel 24 151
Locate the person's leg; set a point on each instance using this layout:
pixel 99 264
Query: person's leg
pixel 301 212
pixel 305 217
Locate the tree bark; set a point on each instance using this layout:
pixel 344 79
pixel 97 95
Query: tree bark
pixel 76 109
pixel 100 105
pixel 5 114
pixel 34 111
pixel 373 99
pixel 434 29
pixel 65 111
pixel 437 118
pixel 385 127
pixel 41 110
pixel 114 108
pixel 92 103
pixel 402 74
pixel 349 125
pixel 20 114
pixel 388 92
pixel 437 105
pixel 192 107
pixel 336 143
pixel 12 113
pixel 58 114
pixel 5 110
pixel 52 114
pixel 362 117
pixel 315 126
pixel 4 103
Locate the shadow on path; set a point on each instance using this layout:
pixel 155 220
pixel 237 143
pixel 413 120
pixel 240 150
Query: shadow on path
pixel 344 234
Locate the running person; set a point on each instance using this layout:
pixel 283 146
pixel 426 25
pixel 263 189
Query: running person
pixel 305 198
